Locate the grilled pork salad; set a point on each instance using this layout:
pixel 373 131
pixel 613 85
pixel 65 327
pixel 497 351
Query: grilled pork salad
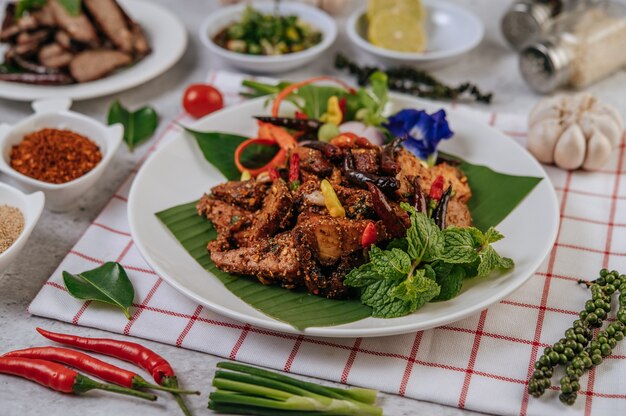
pixel 346 202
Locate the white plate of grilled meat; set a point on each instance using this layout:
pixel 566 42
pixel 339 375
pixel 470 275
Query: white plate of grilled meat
pixel 108 47
pixel 177 173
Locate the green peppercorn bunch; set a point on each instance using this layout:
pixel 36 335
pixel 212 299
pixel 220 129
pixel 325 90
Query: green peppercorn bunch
pixel 578 351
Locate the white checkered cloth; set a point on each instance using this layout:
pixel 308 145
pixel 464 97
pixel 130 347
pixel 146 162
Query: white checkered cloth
pixel 480 363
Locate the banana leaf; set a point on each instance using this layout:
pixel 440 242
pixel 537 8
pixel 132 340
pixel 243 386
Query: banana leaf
pixel 297 308
pixel 495 195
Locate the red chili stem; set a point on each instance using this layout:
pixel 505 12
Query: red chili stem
pixel 60 378
pixel 92 366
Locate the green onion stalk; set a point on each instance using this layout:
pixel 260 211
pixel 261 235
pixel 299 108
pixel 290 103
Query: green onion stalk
pixel 254 391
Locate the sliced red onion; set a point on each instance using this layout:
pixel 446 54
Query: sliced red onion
pixel 371 133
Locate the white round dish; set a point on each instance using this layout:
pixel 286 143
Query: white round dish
pixel 221 18
pixel 167 37
pixel 31 207
pixel 530 229
pixel 54 113
pixel 451 32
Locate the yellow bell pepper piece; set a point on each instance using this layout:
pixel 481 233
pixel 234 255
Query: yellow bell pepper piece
pixel 331 201
pixel 333 114
pixel 246 175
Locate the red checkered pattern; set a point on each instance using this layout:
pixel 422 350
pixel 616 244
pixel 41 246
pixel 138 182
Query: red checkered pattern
pixel 480 363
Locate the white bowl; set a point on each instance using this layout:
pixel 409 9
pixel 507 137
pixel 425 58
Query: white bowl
pixel 31 207
pixel 54 113
pixel 451 32
pixel 221 18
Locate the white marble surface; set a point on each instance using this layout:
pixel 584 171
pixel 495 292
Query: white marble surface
pixel 492 65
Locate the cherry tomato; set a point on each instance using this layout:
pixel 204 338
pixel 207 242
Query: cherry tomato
pixel 202 99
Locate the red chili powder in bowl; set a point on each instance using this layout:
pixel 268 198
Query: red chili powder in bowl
pixel 55 156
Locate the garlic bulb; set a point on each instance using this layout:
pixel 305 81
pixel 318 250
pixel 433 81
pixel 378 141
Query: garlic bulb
pixel 574 131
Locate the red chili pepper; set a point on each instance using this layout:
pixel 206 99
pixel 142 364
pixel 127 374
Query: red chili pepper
pixel 342 107
pixel 294 168
pixel 436 189
pixel 273 174
pixel 370 235
pixel 301 116
pixel 93 366
pixel 143 357
pixel 60 378
pixel 349 140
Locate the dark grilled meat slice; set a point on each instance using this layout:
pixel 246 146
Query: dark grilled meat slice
pixel 54 56
pixel 275 214
pixel 62 38
pixel 97 63
pixel 45 16
pixel 273 260
pixel 312 161
pixel 246 194
pixel 78 27
pixel 109 17
pixel 227 219
pixel 330 238
pixel 9 28
pixel 366 160
pixel 357 202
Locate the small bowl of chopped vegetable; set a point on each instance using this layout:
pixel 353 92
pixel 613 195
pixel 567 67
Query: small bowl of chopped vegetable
pixel 57 151
pixel 18 215
pixel 268 37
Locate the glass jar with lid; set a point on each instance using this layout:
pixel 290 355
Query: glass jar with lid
pixel 578 50
pixel 526 20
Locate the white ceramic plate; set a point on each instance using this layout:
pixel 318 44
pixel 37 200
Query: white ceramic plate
pixel 451 32
pixel 167 37
pixel 178 173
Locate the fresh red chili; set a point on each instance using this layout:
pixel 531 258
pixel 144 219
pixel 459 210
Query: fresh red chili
pixel 93 366
pixel 436 189
pixel 60 378
pixel 294 168
pixel 273 173
pixel 370 235
pixel 139 355
pixel 301 116
pixel 342 107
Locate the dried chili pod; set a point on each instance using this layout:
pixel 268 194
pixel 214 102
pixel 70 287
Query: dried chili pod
pixel 300 124
pixel 330 151
pixel 441 210
pixel 387 184
pixel 419 198
pixel 388 162
pixel 390 219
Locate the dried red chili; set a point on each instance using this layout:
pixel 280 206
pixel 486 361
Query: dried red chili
pixel 55 156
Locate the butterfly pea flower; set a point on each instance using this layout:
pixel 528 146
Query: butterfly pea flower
pixel 423 131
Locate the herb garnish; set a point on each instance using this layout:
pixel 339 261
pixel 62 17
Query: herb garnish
pixel 139 125
pixel 414 82
pixel 72 7
pixel 107 283
pixel 429 264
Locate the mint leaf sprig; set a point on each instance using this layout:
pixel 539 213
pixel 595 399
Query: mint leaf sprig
pixel 428 265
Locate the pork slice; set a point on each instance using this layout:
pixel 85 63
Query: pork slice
pixel 227 219
pixel 9 28
pixel 109 17
pixel 275 213
pixel 63 38
pixel 78 27
pixel 273 260
pixel 36 36
pixel 45 16
pixel 95 64
pixel 312 160
pixel 366 160
pixel 140 42
pixel 246 194
pixel 332 238
pixel 458 214
pixel 54 56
